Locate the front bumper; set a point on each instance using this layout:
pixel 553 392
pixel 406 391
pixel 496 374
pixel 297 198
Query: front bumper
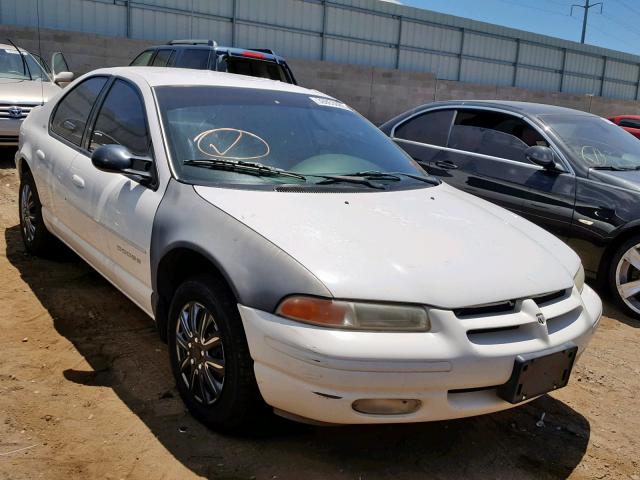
pixel 9 131
pixel 453 370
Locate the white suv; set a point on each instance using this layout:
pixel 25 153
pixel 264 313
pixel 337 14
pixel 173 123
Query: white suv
pixel 292 254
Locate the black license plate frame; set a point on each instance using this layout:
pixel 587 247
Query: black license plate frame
pixel 538 373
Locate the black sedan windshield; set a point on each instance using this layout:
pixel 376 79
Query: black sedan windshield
pixel 596 142
pixel 306 136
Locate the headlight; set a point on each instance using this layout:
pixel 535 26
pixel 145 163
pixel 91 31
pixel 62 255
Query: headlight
pixel 355 315
pixel 578 278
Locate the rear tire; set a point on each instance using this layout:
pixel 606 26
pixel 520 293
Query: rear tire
pixel 35 236
pixel 210 357
pixel 624 276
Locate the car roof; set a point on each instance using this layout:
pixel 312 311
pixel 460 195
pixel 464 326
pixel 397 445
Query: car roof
pixel 216 48
pixel 171 76
pixel 522 108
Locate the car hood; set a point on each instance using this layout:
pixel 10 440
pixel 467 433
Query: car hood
pixel 26 92
pixel 629 179
pixel 436 246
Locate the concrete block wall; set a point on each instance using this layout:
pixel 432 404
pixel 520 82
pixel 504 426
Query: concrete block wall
pixel 377 93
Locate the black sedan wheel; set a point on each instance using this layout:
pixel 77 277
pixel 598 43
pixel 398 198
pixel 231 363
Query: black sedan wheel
pixel 625 276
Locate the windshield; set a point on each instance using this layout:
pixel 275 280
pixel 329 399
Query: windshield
pixel 12 66
pixel 303 134
pixel 596 141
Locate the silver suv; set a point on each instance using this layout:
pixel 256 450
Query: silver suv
pixel 26 81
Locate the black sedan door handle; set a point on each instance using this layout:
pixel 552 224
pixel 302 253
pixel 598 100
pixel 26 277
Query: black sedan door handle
pixel 446 165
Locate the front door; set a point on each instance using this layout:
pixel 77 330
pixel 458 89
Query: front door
pixel 120 209
pixel 484 155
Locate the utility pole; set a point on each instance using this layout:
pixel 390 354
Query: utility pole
pixel 586 8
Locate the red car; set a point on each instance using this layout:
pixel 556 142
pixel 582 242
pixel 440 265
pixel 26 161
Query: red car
pixel 631 123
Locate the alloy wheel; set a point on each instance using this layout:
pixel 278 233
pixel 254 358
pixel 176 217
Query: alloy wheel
pixel 628 278
pixel 28 212
pixel 200 353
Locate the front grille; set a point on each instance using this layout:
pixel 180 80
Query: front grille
pixel 7 110
pixel 505 322
pixel 489 309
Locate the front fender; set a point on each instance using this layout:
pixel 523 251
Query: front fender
pixel 258 272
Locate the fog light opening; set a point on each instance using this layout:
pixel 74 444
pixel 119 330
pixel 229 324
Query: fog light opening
pixel 386 406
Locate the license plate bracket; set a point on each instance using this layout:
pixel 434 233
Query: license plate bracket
pixel 538 373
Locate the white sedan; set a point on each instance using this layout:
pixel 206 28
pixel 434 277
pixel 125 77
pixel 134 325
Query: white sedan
pixel 292 255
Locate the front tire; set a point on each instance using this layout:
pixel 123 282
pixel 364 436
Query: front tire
pixel 35 236
pixel 624 276
pixel 210 357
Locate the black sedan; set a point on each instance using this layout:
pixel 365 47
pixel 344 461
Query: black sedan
pixel 571 172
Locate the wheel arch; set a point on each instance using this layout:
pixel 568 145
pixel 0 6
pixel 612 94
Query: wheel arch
pixel 178 263
pixel 632 229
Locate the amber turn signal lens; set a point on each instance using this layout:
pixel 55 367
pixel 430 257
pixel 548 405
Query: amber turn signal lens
pixel 313 310
pixel 355 315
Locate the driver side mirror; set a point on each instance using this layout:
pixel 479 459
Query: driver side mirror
pixel 63 77
pixel 118 159
pixel 542 156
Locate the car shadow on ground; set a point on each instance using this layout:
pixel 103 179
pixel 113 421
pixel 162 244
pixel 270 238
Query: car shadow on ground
pixel 125 353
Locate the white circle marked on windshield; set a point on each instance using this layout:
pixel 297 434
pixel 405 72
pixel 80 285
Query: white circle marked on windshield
pixel 231 144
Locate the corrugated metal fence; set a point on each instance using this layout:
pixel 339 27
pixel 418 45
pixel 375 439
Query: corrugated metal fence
pixel 366 32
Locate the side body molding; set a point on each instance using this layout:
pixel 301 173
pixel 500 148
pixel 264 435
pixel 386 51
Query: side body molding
pixel 259 273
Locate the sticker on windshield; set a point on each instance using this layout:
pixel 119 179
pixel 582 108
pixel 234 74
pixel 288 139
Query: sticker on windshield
pixel 329 102
pixel 231 144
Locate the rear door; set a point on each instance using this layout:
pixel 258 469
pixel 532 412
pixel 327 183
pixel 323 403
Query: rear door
pixel 196 58
pixel 164 57
pixel 66 129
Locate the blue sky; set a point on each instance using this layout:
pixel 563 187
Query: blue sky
pixel 617 28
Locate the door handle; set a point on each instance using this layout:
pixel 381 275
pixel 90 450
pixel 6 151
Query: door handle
pixel 78 181
pixel 40 154
pixel 446 164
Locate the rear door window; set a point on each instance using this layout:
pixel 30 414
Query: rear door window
pixel 121 120
pixel 163 58
pixel 71 114
pixel 431 128
pixel 143 59
pixel 197 58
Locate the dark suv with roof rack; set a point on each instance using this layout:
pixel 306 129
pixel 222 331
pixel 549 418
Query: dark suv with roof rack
pixel 208 55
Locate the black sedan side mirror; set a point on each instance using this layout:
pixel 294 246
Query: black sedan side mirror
pixel 118 159
pixel 540 155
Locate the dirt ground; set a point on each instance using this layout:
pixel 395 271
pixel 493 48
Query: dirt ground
pixel 86 392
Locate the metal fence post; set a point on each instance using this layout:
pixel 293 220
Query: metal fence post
pixel 128 18
pixel 461 53
pixel 562 69
pixel 638 83
pixel 515 65
pixel 324 30
pixel 604 73
pixel 234 16
pixel 399 43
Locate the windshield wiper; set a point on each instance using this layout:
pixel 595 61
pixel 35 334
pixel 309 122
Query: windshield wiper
pixel 615 169
pixel 240 166
pixel 396 176
pixel 348 179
